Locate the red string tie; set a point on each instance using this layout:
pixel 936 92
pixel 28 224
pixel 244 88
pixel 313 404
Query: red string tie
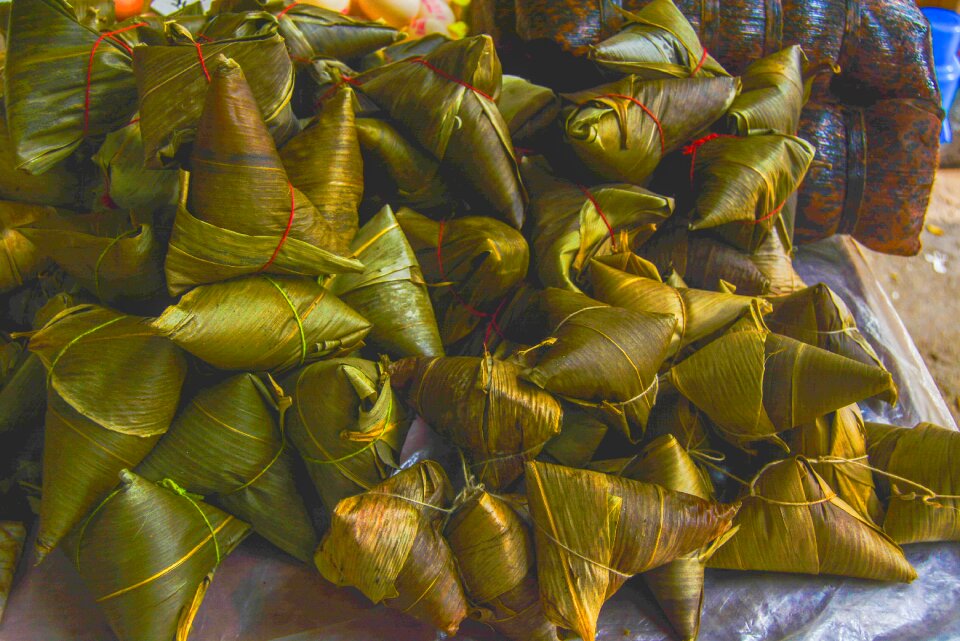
pixel 765 218
pixel 93 52
pixel 286 232
pixel 603 217
pixel 699 66
pixel 646 110
pixel 203 63
pixel 344 80
pixel 285 10
pixel 691 149
pixel 452 78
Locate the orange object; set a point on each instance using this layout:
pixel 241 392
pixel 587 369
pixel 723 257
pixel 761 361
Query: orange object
pixel 127 8
pixel 396 13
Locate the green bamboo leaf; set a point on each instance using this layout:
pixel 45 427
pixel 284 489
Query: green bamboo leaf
pixel 454 116
pixel 404 560
pixel 12 537
pixel 311 32
pixel 622 130
pixel 49 59
pixel 148 555
pixel 23 259
pixel 128 183
pixel 281 323
pixel 242 214
pixel 792 521
pixel 581 431
pixel 500 421
pixel 603 357
pixel 753 383
pixel 573 224
pixel 470 264
pixel 172 83
pixel 390 292
pixel 228 444
pixel 656 42
pixel 347 424
pixel 774 93
pixel 323 161
pixel 527 108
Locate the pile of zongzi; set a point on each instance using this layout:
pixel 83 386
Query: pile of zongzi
pixel 250 251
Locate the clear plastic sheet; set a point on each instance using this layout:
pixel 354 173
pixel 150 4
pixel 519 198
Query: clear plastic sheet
pixel 259 594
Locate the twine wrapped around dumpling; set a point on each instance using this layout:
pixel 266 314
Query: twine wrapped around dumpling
pixel 917 474
pixel 98 361
pixel 454 116
pixel 602 357
pixel 471 264
pixel 52 58
pixel 753 383
pixel 228 444
pixel 347 424
pixel 792 521
pixel 148 553
pixel 835 446
pixel 493 545
pixel 240 213
pixel 500 420
pixel 656 42
pixel 281 323
pixel 678 585
pixel 573 224
pixel 594 531
pixel 172 81
pixel 388 544
pixel 699 313
pixel 390 292
pixel 622 130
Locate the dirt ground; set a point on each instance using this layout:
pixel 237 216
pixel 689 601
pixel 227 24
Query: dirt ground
pixel 926 288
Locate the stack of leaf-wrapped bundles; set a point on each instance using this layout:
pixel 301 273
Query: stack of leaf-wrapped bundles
pixel 582 305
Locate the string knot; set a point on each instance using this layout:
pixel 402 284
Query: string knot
pixel 692 148
pixel 172 485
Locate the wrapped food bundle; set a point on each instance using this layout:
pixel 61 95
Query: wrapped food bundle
pixel 474 344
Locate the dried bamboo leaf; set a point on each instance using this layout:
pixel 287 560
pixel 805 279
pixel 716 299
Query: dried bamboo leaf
pixel 323 161
pixel 445 100
pixel 603 357
pixel 242 214
pixel 774 92
pixel 347 425
pixel 699 313
pixel 622 130
pixel 12 537
pixel 500 420
pixel 148 554
pixel 51 56
pixel 742 184
pixel 594 531
pixel 678 585
pixel 391 159
pixel 526 108
pixel 656 42
pixel 581 431
pixel 387 543
pixel 390 292
pixel 311 31
pixel 676 416
pixel 493 546
pixel 792 521
pixel 818 317
pixel 773 260
pixel 172 83
pixel 753 383
pixel 262 323
pixel 836 436
pixel 114 369
pixel 129 185
pixel 573 224
pixel 228 444
pixel 470 263
pixel 923 503
pixel 406 48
